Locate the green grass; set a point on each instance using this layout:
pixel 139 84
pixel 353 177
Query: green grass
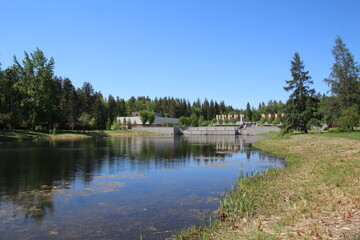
pixel 349 135
pixel 315 197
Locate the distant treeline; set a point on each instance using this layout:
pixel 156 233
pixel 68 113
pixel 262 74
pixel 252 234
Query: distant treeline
pixel 33 97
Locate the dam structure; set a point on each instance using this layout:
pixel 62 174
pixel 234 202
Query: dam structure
pixel 211 131
pixel 226 130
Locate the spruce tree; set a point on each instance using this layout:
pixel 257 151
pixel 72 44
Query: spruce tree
pixel 301 104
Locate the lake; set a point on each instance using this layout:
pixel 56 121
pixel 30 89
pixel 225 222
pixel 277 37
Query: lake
pixel 119 187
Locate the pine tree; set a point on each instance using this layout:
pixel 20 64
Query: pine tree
pixel 248 113
pixel 345 84
pixel 301 104
pixel 344 78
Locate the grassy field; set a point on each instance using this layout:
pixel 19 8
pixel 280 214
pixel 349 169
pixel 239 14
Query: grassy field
pixel 316 197
pixel 28 135
pixel 348 135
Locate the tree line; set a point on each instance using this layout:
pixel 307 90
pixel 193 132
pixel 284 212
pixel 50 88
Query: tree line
pixel 341 109
pixel 33 97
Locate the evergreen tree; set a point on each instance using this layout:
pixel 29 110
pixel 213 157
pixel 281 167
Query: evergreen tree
pixel 345 84
pixel 86 98
pixel 111 109
pixel 301 104
pixel 248 113
pixel 344 78
pixel 69 103
pixel 99 112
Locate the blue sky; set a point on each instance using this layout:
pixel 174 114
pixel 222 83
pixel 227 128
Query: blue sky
pixel 236 51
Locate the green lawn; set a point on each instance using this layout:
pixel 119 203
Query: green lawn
pixel 349 135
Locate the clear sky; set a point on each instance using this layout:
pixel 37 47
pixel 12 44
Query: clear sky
pixel 232 50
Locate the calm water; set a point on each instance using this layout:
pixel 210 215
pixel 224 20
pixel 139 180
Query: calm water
pixel 118 188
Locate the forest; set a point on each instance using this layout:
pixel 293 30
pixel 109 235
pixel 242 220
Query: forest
pixel 33 97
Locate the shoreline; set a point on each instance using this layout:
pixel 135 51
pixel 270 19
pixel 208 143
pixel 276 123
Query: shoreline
pixel 26 135
pixel 317 196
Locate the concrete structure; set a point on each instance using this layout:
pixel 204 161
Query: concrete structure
pixel 161 130
pixel 211 131
pixel 202 131
pixel 159 121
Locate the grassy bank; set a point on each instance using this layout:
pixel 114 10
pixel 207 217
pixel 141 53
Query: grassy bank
pixel 28 135
pixel 316 197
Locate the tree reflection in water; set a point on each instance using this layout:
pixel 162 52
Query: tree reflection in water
pixel 32 173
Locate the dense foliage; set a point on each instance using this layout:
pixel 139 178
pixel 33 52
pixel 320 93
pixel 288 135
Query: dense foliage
pixel 344 83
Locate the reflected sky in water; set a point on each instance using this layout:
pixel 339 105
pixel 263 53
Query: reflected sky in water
pixel 119 187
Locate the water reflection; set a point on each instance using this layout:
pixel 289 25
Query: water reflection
pixel 35 175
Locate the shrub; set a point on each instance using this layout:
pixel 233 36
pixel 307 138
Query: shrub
pixel 276 121
pixel 262 120
pixel 337 130
pixel 185 121
pixel 201 121
pixel 38 128
pixel 233 120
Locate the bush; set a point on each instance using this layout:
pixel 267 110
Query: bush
pixel 262 120
pixel 206 123
pixel 92 123
pixel 185 121
pixel 201 121
pixel 194 120
pixel 276 121
pixel 53 131
pixel 337 130
pixel 270 120
pixel 116 124
pixel 38 128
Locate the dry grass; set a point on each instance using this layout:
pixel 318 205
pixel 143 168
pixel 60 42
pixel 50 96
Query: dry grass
pixel 316 197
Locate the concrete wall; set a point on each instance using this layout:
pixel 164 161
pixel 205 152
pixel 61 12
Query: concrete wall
pixel 162 130
pixel 259 130
pixel 210 131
